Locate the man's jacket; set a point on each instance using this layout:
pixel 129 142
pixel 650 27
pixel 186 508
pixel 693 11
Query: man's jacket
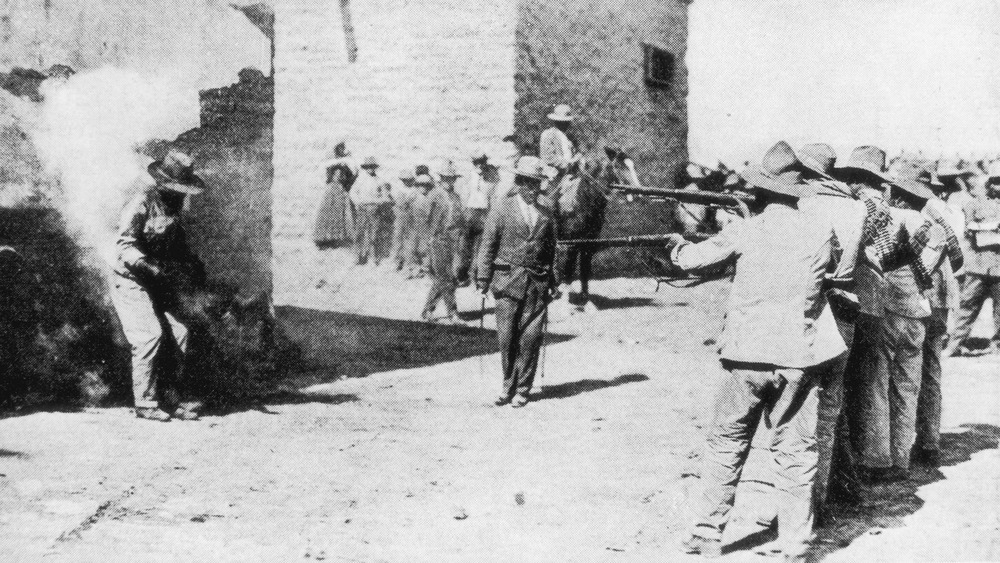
pixel 512 254
pixel 777 311
pixel 149 230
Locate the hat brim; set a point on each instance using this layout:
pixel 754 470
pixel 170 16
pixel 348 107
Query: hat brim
pixel 810 166
pixel 758 179
pixel 557 117
pixel 914 187
pixel 192 185
pixel 855 172
pixel 952 173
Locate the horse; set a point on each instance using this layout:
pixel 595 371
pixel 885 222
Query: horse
pixel 580 203
pixel 694 218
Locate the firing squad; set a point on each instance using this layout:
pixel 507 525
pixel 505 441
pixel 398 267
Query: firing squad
pixel 848 282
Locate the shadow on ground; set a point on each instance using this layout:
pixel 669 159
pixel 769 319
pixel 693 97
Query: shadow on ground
pixel 16 455
pixel 604 303
pixel 281 397
pixel 573 388
pixel 886 505
pixel 340 345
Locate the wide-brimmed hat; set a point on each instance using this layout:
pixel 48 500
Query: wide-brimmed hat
pixel 531 167
pixel 423 180
pixel 479 157
pixel 449 171
pixel 406 174
pixel 421 169
pixel 176 173
pixel 561 112
pixel 916 180
pixel 369 162
pixel 867 161
pixel 780 172
pixel 819 158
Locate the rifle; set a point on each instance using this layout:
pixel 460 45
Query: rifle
pixel 735 201
pixel 619 242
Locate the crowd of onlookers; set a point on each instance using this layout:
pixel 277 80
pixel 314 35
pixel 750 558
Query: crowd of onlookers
pixel 424 221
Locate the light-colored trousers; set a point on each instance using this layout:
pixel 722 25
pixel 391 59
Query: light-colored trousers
pixel 788 399
pixel 145 328
pixel 756 502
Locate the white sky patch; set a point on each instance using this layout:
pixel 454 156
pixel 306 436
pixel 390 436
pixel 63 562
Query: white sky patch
pixel 905 75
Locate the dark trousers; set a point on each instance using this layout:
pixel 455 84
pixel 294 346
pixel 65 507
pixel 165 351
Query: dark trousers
pixel 975 289
pixel 442 275
pixel 470 243
pixel 929 403
pixel 519 329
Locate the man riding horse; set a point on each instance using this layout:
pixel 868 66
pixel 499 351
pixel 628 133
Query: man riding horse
pixel 558 152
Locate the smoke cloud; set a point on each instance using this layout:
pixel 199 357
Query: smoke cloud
pixel 87 135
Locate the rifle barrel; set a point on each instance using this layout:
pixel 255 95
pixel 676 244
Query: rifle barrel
pixel 632 241
pixel 738 201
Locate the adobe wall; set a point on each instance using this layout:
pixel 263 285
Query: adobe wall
pixel 588 53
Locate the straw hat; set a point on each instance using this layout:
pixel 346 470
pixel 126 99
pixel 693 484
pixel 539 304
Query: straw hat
pixel 531 167
pixel 449 171
pixel 561 112
pixel 423 180
pixel 369 162
pixel 176 173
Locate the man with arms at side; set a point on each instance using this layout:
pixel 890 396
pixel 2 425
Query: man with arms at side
pixel 515 261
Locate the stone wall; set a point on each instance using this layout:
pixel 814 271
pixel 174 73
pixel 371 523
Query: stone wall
pixel 589 54
pixel 230 224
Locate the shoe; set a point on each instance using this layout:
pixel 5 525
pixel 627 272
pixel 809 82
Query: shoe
pixel 953 350
pixel 152 413
pixel 704 547
pixel 187 413
pixel 519 401
pixel 501 400
pixel 426 316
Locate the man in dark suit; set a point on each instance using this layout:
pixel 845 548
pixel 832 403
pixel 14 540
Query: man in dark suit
pixel 515 261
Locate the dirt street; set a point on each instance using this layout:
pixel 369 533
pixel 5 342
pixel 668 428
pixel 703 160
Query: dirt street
pixel 393 456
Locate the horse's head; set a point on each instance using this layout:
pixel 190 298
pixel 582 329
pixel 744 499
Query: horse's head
pixel 620 169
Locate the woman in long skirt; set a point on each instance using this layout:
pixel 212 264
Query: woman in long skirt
pixel 333 222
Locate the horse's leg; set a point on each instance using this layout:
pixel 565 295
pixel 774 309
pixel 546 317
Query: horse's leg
pixel 586 258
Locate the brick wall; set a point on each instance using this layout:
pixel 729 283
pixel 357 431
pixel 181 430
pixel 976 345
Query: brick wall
pixel 433 79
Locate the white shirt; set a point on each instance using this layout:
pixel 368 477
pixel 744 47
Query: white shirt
pixel 479 195
pixel 528 211
pixel 366 189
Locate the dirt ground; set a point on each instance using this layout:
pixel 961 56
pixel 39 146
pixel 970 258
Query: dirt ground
pixel 386 448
